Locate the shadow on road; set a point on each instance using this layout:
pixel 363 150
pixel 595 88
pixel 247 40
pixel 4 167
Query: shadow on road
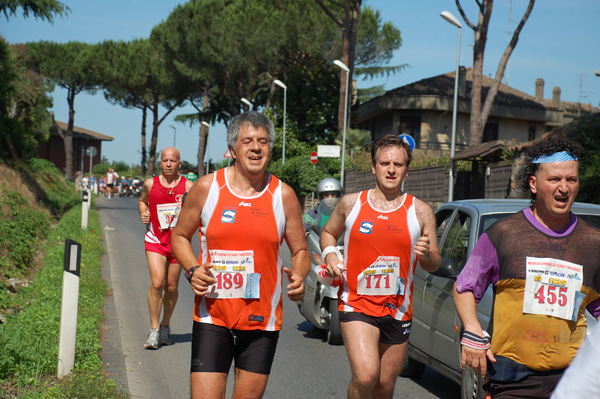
pixel 181 338
pixel 311 331
pixel 438 385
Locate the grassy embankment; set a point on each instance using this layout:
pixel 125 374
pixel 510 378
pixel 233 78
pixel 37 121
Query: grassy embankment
pixel 39 209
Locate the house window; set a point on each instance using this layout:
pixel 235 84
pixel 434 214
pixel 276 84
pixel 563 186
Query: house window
pixel 531 135
pixel 411 125
pixel 490 132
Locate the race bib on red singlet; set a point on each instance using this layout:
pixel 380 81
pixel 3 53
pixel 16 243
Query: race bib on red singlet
pixel 168 214
pixel 380 278
pixel 234 272
pixel 552 287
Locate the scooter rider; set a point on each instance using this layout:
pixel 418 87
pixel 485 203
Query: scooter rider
pixel 329 191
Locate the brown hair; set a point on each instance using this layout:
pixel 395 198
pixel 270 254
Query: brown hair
pixel 390 140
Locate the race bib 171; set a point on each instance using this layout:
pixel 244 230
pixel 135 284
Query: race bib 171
pixel 380 278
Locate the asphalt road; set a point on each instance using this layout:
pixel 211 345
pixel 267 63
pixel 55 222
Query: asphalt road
pixel 305 365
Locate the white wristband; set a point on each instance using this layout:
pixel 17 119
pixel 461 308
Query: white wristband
pixel 329 250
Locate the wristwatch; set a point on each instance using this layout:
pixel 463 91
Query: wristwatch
pixel 190 273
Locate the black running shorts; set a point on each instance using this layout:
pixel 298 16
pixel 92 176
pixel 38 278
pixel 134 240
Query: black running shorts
pixel 391 331
pixel 214 347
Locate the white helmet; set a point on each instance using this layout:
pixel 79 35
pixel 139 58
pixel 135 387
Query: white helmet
pixel 329 185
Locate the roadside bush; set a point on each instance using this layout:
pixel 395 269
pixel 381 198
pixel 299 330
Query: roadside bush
pixel 29 338
pixel 21 228
pixel 53 190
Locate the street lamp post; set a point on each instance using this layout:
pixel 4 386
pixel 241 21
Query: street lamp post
pixel 247 102
pixel 284 87
pixel 174 135
pixel 452 19
pixel 343 66
pixel 206 144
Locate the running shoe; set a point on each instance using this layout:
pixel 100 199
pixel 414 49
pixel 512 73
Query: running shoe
pixel 164 335
pixel 152 341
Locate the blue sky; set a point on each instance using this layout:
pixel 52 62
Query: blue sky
pixel 560 43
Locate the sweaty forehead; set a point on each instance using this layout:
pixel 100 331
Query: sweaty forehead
pixel 250 130
pixel 393 154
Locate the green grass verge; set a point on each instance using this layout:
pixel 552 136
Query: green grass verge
pixel 29 338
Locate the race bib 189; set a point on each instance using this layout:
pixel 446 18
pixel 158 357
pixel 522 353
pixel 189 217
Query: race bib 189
pixel 380 278
pixel 234 272
pixel 551 287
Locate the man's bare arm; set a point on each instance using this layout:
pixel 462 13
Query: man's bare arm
pixel 427 245
pixel 187 224
pixel 143 208
pixel 333 229
pixel 467 311
pixel 296 241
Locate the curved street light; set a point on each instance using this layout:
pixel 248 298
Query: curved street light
pixel 247 102
pixel 284 87
pixel 174 134
pixel 343 66
pixel 452 20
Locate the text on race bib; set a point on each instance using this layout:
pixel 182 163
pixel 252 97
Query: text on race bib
pixel 234 272
pixel 380 278
pixel 552 288
pixel 168 214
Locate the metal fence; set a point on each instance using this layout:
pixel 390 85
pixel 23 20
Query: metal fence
pixel 498 180
pixel 427 184
pixel 431 184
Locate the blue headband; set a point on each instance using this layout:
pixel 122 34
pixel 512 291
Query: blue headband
pixel 556 157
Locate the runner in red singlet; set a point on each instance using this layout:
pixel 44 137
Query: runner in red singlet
pixel 388 232
pixel 243 214
pixel 159 207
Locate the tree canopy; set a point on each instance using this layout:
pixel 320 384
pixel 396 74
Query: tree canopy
pixel 43 9
pixel 24 103
pixel 73 67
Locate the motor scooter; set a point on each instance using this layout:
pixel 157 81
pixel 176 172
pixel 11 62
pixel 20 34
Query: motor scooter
pixel 136 188
pixel 123 188
pixel 319 305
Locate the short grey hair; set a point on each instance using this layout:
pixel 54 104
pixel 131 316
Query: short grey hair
pixel 254 119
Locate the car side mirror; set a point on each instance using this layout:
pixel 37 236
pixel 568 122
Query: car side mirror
pixel 447 269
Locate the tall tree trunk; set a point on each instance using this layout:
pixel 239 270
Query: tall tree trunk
pixel 478 52
pixel 479 114
pixel 156 121
pixel 203 132
pixel 68 137
pixel 144 154
pixel 349 26
pixel 154 139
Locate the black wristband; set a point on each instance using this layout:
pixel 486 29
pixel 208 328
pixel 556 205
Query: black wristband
pixel 190 273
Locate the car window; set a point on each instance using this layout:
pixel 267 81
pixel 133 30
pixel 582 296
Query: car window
pixel 455 245
pixel 488 220
pixel 592 219
pixel 442 219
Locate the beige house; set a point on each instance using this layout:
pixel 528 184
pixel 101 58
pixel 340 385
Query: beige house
pixel 423 110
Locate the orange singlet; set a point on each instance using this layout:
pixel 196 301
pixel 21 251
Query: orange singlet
pixel 380 261
pixel 241 237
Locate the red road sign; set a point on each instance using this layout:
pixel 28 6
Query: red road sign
pixel 313 157
pixel 227 154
